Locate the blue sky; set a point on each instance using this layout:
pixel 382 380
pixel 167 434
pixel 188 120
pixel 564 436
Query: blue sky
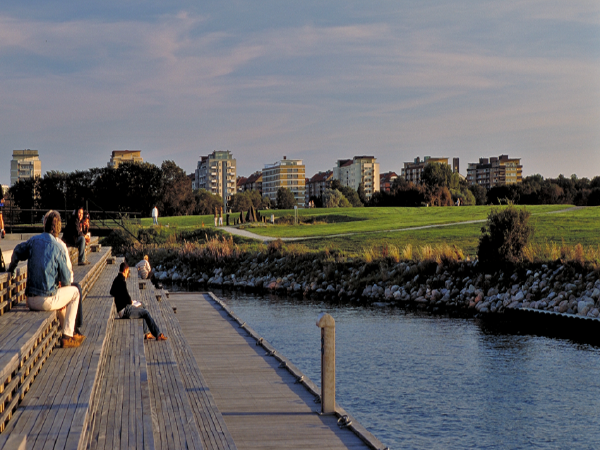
pixel 313 80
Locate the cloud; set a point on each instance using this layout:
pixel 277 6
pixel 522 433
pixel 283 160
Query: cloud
pixel 462 77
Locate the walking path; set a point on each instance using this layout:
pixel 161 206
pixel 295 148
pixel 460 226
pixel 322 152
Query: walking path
pixel 249 234
pixel 262 404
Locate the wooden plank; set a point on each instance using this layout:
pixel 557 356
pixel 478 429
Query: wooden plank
pixel 213 429
pixel 260 402
pixel 163 368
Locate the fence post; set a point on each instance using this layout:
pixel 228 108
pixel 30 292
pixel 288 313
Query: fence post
pixel 327 325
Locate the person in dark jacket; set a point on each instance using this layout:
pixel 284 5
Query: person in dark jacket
pixel 74 236
pixel 127 310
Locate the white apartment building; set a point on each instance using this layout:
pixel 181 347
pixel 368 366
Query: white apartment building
pixel 25 164
pixel 287 173
pixel 360 169
pixel 217 174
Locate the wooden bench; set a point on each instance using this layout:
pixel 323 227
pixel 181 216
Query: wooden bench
pixel 123 416
pixel 27 338
pixel 175 424
pixel 57 411
pixel 213 430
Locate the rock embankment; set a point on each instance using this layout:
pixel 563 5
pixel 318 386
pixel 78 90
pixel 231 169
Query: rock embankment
pixel 461 287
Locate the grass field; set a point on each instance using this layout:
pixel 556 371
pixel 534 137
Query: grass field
pixel 369 226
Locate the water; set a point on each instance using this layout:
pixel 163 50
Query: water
pixel 426 382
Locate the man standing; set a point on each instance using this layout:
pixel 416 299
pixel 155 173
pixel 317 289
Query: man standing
pixel 49 278
pixel 155 215
pixel 126 308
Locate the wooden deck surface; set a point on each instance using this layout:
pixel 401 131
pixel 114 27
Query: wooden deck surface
pixel 262 406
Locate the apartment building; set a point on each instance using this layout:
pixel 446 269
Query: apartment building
pixel 495 171
pixel 287 173
pixel 217 174
pixel 316 185
pixel 360 169
pixel 386 180
pixel 254 182
pixel 412 171
pixel 25 164
pixel 119 156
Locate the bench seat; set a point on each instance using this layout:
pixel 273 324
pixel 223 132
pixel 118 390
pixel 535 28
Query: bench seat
pixel 56 413
pixel 123 417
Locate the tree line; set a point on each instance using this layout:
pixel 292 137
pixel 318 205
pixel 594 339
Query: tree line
pixel 131 187
pixel 138 187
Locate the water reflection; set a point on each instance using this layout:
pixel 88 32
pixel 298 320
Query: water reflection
pixel 428 382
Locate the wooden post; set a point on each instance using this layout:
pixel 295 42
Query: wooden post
pixel 327 325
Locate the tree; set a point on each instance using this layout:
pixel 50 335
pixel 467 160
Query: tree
pixel 206 202
pixel 351 195
pixel 285 198
pixel 332 198
pixel 505 236
pixel 436 175
pixel 480 194
pixel 24 191
pixel 177 197
pixel 361 194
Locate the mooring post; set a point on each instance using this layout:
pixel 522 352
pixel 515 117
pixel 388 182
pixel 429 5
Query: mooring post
pixel 327 325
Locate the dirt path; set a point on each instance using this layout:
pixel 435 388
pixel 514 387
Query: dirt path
pixel 249 234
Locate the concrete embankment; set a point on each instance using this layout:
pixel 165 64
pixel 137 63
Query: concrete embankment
pixel 458 287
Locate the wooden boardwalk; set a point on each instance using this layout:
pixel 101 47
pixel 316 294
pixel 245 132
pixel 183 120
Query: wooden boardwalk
pixel 260 402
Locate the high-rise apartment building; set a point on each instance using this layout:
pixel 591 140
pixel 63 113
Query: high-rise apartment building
pixel 119 156
pixel 217 174
pixel 495 171
pixel 360 169
pixel 25 164
pixel 287 173
pixel 412 171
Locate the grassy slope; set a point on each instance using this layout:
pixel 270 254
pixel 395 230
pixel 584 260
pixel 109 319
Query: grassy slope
pixel 379 219
pixel 572 227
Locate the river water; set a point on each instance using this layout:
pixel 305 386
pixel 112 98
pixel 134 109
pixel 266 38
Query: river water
pixel 429 382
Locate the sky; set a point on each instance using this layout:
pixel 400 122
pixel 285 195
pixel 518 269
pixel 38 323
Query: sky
pixel 311 80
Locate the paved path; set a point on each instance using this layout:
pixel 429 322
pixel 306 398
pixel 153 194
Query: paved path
pixel 248 234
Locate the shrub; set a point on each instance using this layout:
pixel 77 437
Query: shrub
pixel 505 236
pixel 275 247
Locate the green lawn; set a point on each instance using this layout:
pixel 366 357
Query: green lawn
pixel 573 227
pixel 369 226
pixel 378 219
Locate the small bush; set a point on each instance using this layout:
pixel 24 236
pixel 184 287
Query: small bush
pixel 505 236
pixel 275 247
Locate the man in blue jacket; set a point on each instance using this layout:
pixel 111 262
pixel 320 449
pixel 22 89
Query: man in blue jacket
pixel 49 278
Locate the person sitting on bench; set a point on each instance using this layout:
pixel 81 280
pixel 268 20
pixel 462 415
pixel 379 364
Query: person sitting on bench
pixel 144 269
pixel 49 278
pixel 127 310
pixel 74 235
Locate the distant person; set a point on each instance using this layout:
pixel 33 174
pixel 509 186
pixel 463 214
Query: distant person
pixel 144 269
pixel 85 227
pixel 2 234
pixel 126 308
pixel 74 235
pixel 49 278
pixel 155 216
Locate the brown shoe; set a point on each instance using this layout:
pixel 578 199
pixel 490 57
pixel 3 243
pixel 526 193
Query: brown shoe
pixel 161 337
pixel 69 342
pixel 83 263
pixel 148 336
pixel 79 337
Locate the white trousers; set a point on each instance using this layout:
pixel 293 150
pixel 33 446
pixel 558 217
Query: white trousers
pixel 65 302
